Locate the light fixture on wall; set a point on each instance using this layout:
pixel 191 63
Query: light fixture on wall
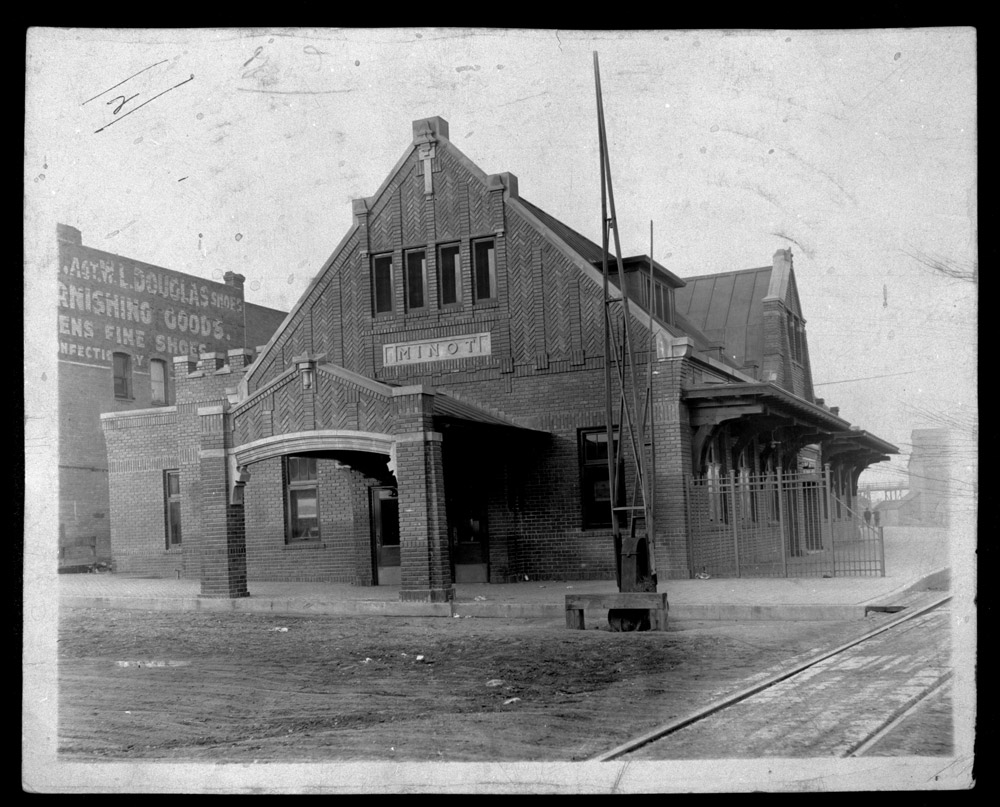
pixel 306 364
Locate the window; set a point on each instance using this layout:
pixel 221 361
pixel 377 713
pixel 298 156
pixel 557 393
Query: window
pixel 796 335
pixel 302 501
pixel 416 280
pixel 595 485
pixel 158 380
pixel 484 274
pixel 123 375
pixel 382 283
pixel 661 302
pixel 449 275
pixel 744 489
pixel 172 502
pixel 772 505
pixel 717 510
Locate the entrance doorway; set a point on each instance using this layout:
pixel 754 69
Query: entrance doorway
pixel 385 535
pixel 468 534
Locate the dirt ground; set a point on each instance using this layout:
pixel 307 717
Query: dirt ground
pixel 136 685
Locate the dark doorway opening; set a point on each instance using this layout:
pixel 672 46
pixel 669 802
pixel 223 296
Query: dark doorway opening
pixel 385 535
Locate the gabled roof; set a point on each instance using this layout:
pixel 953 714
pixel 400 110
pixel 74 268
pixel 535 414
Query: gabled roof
pixel 583 252
pixel 728 307
pixel 593 252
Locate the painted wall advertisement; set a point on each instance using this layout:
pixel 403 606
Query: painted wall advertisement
pixel 108 303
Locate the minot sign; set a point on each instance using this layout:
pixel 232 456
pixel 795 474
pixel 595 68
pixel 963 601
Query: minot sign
pixel 454 347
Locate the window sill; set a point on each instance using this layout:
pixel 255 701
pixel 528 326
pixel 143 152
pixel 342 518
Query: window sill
pixel 317 544
pixel 492 302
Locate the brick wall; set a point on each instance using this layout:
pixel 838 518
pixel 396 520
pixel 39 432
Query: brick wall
pixel 142 447
pixel 147 325
pixel 343 553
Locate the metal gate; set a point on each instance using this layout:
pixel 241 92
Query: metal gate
pixel 778 525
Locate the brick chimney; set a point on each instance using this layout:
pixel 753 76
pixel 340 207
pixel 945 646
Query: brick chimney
pixel 782 259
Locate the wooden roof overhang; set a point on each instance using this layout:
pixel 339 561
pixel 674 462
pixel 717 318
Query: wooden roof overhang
pixel 752 409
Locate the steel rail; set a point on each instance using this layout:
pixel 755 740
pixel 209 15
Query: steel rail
pixel 899 716
pixel 741 695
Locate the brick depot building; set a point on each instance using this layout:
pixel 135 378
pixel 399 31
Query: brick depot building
pixel 121 323
pixel 432 411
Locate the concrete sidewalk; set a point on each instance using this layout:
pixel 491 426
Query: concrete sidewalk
pixel 916 559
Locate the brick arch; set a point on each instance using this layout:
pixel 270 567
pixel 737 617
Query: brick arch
pixel 318 440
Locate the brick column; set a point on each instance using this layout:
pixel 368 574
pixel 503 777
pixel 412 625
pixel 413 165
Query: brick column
pixel 223 531
pixel 425 556
pixel 673 464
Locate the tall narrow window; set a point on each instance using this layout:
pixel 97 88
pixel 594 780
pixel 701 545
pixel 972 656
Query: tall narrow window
pixel 302 500
pixel 795 338
pixel 747 504
pixel 158 381
pixel 661 302
pixel 449 275
pixel 382 283
pixel 416 280
pixel 595 486
pixel 123 375
pixel 172 504
pixel 771 472
pixel 716 494
pixel 484 269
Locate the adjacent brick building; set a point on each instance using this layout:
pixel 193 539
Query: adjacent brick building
pixel 432 410
pixel 121 322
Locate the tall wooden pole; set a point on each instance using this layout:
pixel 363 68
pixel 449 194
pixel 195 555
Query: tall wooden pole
pixel 626 547
pixel 612 454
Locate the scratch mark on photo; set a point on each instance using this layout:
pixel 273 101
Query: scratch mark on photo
pixel 144 103
pixel 119 84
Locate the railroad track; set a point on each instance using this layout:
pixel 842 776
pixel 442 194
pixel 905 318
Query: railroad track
pixel 801 670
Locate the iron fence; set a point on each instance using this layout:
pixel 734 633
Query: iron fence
pixel 778 525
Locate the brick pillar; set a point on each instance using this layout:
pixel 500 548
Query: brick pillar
pixel 673 464
pixel 240 359
pixel 425 556
pixel 223 532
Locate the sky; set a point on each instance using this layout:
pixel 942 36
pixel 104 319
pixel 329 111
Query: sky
pixel 206 151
